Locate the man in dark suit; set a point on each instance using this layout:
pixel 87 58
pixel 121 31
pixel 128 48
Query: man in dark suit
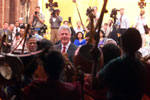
pixel 6 37
pixel 65 46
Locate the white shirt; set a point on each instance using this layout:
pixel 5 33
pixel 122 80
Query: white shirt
pixel 140 22
pixel 79 30
pixel 67 46
pixel 124 23
pixel 16 28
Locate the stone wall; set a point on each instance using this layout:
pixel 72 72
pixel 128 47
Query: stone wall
pixel 12 10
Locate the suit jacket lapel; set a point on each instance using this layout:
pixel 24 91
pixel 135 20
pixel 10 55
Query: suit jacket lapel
pixel 69 49
pixel 59 47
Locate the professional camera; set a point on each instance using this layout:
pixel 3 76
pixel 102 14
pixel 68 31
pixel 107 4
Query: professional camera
pixel 89 11
pixel 35 12
pixel 114 13
pixel 51 4
pixel 43 29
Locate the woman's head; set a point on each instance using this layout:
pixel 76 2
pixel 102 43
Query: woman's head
pixel 80 35
pixel 53 63
pixel 101 34
pixel 110 51
pixel 131 41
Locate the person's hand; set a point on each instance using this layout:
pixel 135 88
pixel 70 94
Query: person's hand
pixel 36 15
pixel 9 44
pixel 5 44
pixel 88 81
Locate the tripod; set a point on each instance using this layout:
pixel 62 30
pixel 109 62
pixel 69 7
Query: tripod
pixel 114 32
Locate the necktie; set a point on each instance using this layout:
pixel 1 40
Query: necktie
pixel 64 49
pixel 120 20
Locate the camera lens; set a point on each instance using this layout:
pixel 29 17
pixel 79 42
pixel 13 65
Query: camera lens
pixel 35 13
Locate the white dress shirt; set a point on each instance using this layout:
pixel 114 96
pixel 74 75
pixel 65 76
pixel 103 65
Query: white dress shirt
pixel 140 22
pixel 67 46
pixel 123 23
pixel 79 30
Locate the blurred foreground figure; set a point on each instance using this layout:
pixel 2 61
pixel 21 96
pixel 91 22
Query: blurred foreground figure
pixel 52 88
pixel 125 77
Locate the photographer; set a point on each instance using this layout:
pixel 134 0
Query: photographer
pixel 55 22
pixel 37 19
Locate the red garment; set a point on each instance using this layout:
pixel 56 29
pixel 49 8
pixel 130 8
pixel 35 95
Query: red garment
pixel 64 49
pixel 52 90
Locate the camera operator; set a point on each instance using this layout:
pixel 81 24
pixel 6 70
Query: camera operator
pixel 95 13
pixel 55 22
pixel 37 19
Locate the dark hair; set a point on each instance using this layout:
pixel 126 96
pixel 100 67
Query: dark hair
pixel 37 7
pixel 110 51
pixel 6 22
pixel 78 34
pixel 45 44
pixel 65 21
pixel 102 33
pixel 31 38
pixel 17 34
pixel 105 23
pixel 131 40
pixel 53 64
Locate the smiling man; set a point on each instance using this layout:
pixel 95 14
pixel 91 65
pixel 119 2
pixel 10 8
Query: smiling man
pixel 65 46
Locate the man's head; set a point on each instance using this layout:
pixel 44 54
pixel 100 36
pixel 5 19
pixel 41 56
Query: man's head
pixel 110 51
pixel 17 36
pixel 65 23
pixel 11 27
pixel 35 32
pixel 64 34
pixel 22 31
pixel 45 44
pixel 121 11
pixel 17 23
pixel 37 9
pixel 94 10
pixel 6 25
pixel 105 26
pixel 32 44
pixel 131 41
pixel 78 24
pixel 21 20
pixel 53 64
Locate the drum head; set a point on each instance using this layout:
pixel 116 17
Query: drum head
pixel 10 69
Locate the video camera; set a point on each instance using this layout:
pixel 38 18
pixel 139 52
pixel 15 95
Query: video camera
pixel 89 11
pixel 43 29
pixel 114 13
pixel 51 5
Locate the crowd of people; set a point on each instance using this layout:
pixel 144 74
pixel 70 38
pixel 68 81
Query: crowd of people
pixel 63 70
